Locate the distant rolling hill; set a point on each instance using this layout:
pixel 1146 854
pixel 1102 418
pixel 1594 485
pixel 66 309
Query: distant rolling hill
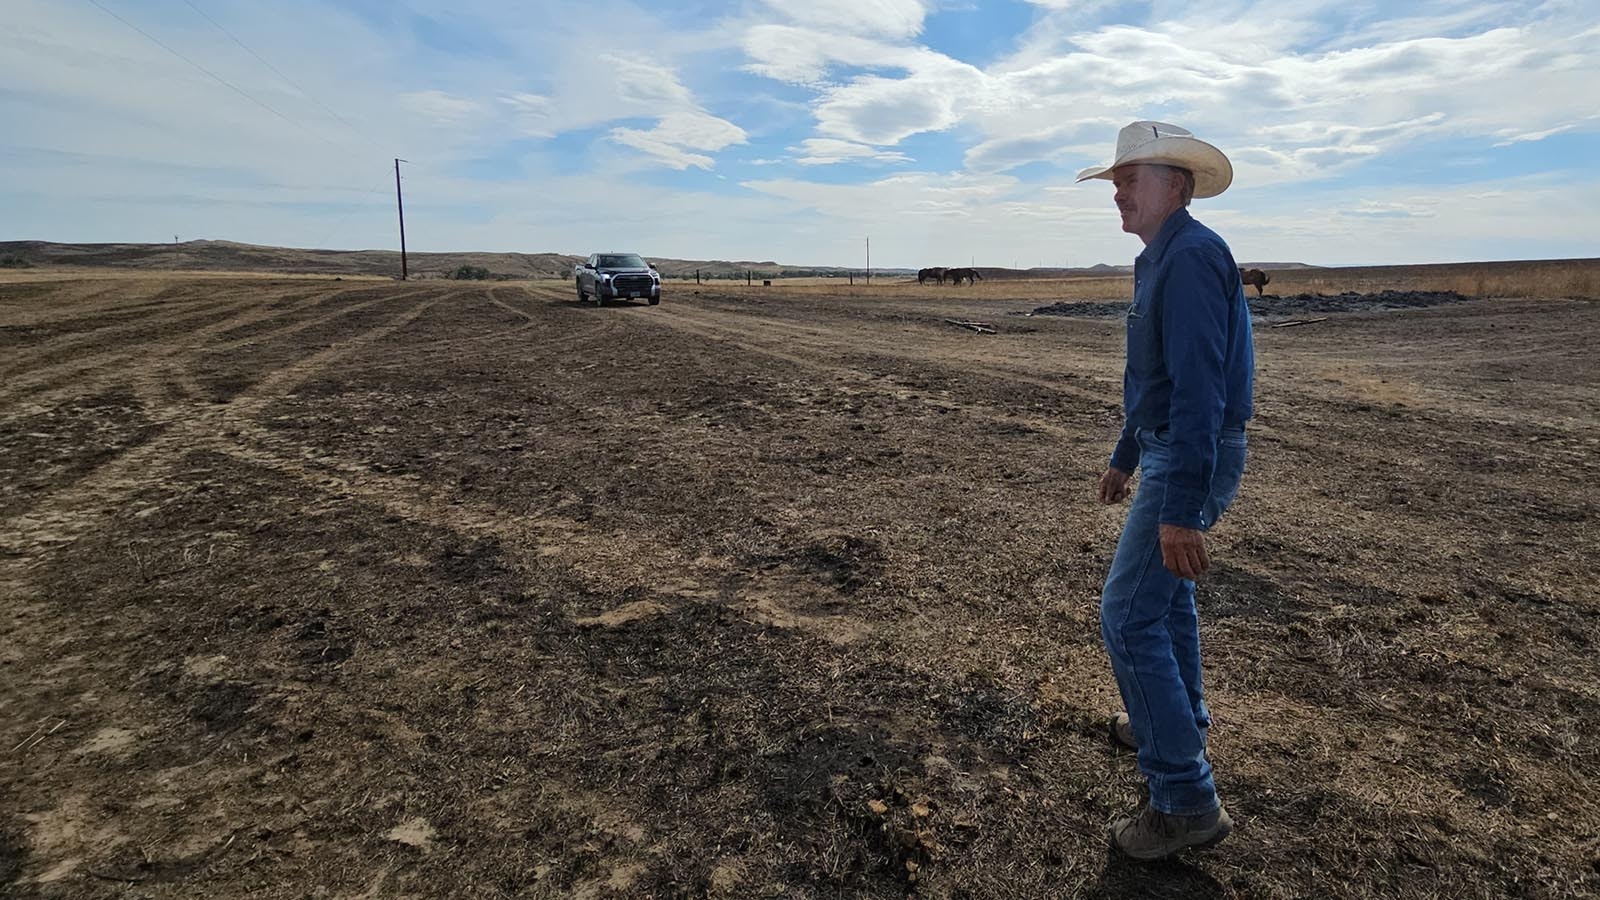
pixel 229 256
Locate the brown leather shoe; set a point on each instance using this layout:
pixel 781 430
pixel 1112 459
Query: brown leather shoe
pixel 1122 731
pixel 1153 834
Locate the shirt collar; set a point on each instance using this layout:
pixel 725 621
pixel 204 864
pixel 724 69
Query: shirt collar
pixel 1174 224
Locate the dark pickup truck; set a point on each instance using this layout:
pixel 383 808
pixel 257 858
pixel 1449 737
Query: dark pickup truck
pixel 617 276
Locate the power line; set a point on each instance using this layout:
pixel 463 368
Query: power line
pixel 248 96
pixel 287 80
pixel 218 78
pixel 360 199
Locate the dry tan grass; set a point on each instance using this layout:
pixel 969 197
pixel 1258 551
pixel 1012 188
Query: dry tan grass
pixel 1534 278
pixel 101 273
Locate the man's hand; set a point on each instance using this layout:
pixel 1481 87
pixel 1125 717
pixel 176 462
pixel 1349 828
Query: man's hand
pixel 1114 486
pixel 1183 551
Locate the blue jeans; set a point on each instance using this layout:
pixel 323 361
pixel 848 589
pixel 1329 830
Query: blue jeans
pixel 1152 633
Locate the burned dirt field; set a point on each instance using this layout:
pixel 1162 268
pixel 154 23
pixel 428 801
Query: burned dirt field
pixel 1273 307
pixel 371 589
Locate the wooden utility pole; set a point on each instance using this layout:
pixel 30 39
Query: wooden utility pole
pixel 869 260
pixel 400 205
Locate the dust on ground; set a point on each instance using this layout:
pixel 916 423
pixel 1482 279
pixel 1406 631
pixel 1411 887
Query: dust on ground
pixel 460 590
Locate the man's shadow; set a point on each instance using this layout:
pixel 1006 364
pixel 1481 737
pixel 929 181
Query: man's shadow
pixel 1173 879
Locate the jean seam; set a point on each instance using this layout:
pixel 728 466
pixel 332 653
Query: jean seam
pixel 1133 671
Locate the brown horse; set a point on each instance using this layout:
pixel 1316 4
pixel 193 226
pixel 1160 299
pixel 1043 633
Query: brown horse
pixel 1254 277
pixel 935 273
pixel 956 276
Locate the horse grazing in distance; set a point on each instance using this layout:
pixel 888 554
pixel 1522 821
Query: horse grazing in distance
pixel 1254 277
pixel 956 276
pixel 936 273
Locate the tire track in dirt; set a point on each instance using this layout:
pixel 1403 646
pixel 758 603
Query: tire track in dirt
pixel 62 516
pixel 597 327
pixel 126 323
pixel 303 324
pixel 596 558
pixel 183 386
pixel 83 372
pixel 162 381
pixel 798 337
pixel 73 299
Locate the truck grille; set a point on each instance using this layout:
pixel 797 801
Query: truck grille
pixel 627 283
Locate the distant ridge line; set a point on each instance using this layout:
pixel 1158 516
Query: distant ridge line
pixel 233 256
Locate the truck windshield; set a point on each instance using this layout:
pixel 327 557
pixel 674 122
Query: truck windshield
pixel 620 261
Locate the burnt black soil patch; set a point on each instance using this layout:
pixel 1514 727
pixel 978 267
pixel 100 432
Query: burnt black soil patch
pixel 1350 301
pixel 223 706
pixel 46 449
pixel 324 639
pixel 785 739
pixel 994 716
pixel 1230 592
pixel 224 387
pixel 1080 310
pixel 13 855
pixel 476 563
pixel 22 336
pixel 1274 305
pixel 845 561
pixel 1488 788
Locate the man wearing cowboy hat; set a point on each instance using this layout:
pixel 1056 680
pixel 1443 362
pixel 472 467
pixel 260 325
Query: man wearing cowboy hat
pixel 1186 398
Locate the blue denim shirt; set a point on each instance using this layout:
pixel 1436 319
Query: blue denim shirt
pixel 1191 361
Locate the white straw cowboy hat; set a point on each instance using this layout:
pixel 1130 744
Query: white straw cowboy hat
pixel 1169 145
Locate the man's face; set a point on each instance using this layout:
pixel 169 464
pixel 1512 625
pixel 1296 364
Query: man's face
pixel 1145 196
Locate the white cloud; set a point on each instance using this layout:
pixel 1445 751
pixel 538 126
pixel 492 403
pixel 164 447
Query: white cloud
pixel 886 18
pixel 662 151
pixel 533 114
pixel 1263 78
pixel 869 108
pixel 827 151
pixel 679 132
pixel 698 130
pixel 441 106
pixel 108 136
pixel 1387 210
pixel 639 84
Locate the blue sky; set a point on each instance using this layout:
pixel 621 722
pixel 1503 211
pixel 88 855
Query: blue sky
pixel 793 130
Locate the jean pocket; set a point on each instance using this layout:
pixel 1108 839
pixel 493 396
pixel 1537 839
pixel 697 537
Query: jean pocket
pixel 1153 439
